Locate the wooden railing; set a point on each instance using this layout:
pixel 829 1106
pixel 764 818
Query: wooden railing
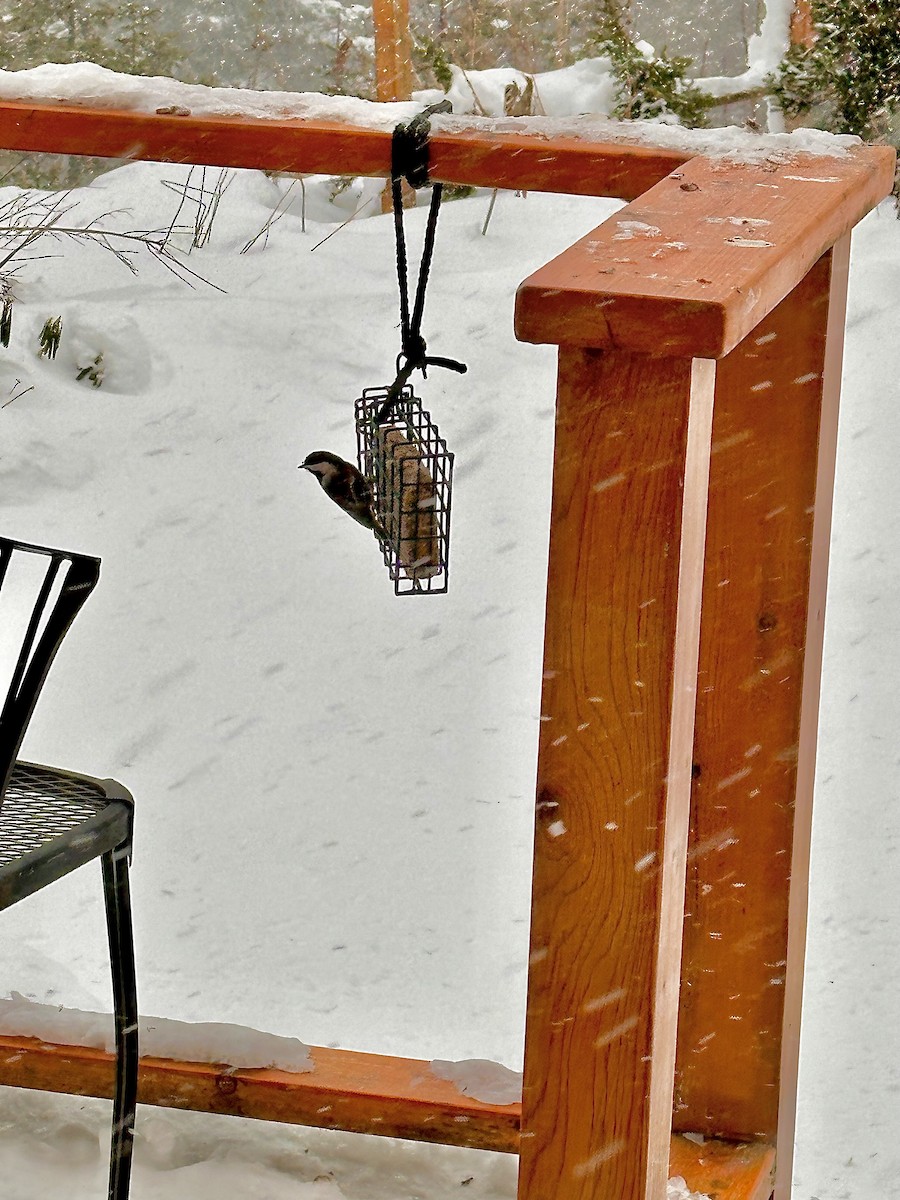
pixel 699 333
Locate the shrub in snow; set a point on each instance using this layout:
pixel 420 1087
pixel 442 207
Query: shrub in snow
pixel 619 76
pixel 588 86
pixel 50 337
pixel 110 351
pixel 848 79
pixel 650 85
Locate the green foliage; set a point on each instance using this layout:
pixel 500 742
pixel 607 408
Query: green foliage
pixel 93 371
pixel 281 45
pixel 123 37
pixel 649 85
pixel 458 191
pixel 851 74
pixel 480 34
pixel 848 81
pixel 430 56
pixel 50 336
pixel 140 43
pixel 654 87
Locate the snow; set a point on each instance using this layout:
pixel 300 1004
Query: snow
pixel 94 86
pixel 728 142
pixel 334 787
pixel 566 92
pixel 765 51
pixel 481 1079
pixel 233 1045
pixel 587 86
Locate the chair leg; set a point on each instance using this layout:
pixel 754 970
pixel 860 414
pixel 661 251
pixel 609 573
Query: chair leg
pixel 121 953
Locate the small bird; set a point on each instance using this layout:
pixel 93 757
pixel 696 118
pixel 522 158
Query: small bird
pixel 346 486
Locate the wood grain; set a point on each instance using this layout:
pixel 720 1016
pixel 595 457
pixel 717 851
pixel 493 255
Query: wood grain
pixel 530 160
pixel 803 30
pixel 393 57
pixel 761 640
pixel 830 388
pixel 614 774
pixel 724 1170
pixel 691 267
pixel 360 1093
pixel 363 1093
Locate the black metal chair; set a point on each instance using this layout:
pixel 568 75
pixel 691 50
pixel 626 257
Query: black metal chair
pixel 52 821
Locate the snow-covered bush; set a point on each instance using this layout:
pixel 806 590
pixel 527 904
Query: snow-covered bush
pixel 848 79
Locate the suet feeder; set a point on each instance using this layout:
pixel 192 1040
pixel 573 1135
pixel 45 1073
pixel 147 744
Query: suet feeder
pixel 410 469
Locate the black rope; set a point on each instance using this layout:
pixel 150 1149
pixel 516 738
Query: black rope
pixel 409 161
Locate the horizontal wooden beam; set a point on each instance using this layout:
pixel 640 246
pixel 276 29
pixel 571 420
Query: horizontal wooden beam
pixel 692 266
pixel 724 1170
pixel 360 1093
pixel 527 160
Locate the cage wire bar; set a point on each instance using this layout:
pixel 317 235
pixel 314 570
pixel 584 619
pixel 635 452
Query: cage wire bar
pixel 629 340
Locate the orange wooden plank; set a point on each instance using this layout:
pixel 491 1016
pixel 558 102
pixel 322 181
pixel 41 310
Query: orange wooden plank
pixel 623 603
pixel 528 160
pixel 388 1086
pixel 289 145
pixel 692 266
pixel 537 163
pixel 771 477
pixel 724 1170
pixel 363 1093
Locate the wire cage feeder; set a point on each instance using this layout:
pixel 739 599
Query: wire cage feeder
pixel 410 471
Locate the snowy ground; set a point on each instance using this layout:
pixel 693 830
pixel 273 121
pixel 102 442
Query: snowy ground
pixel 334 786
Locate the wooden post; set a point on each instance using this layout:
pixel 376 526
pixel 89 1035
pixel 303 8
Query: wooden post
pixel 393 58
pixel 393 69
pixel 757 707
pixel 620 659
pixel 803 31
pixel 598 1034
pixel 830 387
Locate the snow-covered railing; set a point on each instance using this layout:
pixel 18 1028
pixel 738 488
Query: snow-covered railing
pixel 700 334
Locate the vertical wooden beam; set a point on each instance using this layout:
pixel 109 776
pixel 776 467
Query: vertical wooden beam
pixel 393 69
pixel 562 32
pixel 393 58
pixel 809 712
pixel 623 598
pixel 803 31
pixel 771 483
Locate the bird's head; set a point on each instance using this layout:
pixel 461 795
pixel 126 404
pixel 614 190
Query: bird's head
pixel 323 464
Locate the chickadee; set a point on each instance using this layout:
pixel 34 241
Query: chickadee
pixel 346 486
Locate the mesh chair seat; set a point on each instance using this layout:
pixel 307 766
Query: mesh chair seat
pixel 53 821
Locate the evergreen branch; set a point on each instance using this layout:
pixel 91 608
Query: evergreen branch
pixel 754 93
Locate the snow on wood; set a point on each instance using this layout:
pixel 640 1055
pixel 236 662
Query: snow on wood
pixel 481 1079
pixel 96 87
pixel 89 85
pixel 191 1041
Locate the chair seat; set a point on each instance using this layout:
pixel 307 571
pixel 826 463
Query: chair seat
pixel 52 822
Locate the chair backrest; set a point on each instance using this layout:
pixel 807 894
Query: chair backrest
pixel 41 591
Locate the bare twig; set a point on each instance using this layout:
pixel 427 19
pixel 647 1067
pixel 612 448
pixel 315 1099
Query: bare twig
pixel 344 224
pixel 280 210
pixel 490 212
pixel 27 217
pixel 18 395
